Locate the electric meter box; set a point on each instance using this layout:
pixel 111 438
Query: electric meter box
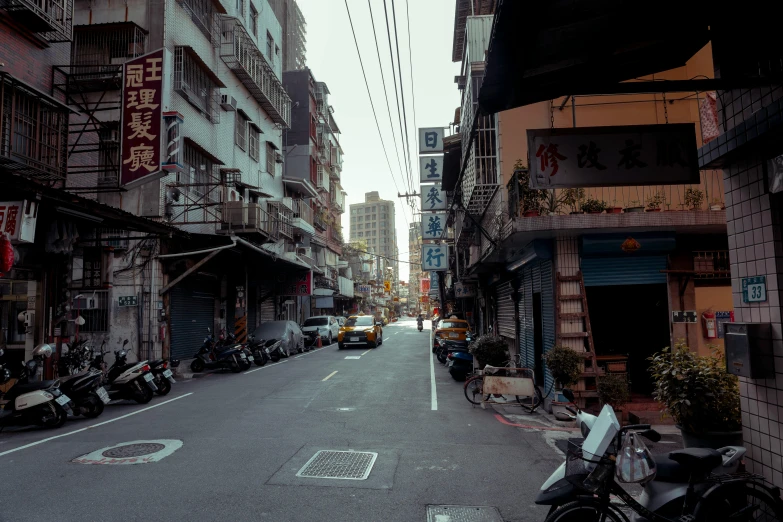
pixel 749 350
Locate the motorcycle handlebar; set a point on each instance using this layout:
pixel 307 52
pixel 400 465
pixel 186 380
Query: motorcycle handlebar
pixel 635 427
pixel 570 409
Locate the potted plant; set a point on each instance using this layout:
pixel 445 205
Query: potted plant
pixel 699 394
pixel 565 365
pixel 593 206
pixel 551 203
pixel 614 209
pixel 693 198
pixel 530 199
pixel 489 349
pixel 655 201
pixel 717 204
pixel 636 206
pixel 613 390
pixel 572 197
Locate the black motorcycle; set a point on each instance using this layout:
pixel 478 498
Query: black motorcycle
pixel 129 381
pixel 162 375
pixel 214 355
pixel 260 351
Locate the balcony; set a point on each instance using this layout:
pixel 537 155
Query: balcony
pixel 34 134
pixel 249 64
pixel 321 220
pixel 248 218
pixel 322 180
pixel 282 217
pixel 51 19
pixel 303 216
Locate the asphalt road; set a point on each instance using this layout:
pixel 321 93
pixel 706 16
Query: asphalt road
pixel 245 436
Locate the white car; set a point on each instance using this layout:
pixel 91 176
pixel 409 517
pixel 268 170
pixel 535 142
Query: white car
pixel 324 325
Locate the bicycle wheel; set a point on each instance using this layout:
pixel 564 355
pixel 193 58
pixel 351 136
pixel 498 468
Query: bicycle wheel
pixel 473 389
pixel 586 511
pixel 745 502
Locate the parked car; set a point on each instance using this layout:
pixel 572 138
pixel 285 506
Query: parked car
pixel 286 333
pixel 341 320
pixel 360 330
pixel 452 329
pixel 324 325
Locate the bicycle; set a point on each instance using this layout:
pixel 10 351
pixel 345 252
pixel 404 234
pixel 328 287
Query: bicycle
pixel 474 386
pixel 708 498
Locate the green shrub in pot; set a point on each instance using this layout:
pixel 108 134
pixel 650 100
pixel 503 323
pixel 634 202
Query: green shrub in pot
pixel 565 365
pixel 613 390
pixel 490 349
pixel 699 394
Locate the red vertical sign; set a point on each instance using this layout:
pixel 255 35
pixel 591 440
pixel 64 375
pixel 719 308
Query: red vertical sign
pixel 142 100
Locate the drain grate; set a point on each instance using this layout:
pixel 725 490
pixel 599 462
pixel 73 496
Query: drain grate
pixel 133 450
pixel 331 464
pixel 463 514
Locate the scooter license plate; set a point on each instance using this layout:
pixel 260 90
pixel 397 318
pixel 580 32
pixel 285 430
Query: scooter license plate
pixel 354 339
pixel 250 358
pixel 148 377
pixel 62 400
pixel 167 373
pixel 103 395
pixel 242 355
pixel 450 363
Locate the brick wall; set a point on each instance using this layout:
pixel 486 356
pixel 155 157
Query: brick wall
pixel 28 58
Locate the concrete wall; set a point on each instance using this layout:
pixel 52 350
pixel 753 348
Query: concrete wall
pixel 28 58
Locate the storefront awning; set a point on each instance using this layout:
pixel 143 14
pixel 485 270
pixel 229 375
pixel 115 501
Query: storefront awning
pixel 543 50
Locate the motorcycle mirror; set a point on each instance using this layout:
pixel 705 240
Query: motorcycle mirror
pixel 651 434
pixel 568 394
pixel 124 342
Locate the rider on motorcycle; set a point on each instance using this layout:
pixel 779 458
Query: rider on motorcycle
pixel 420 321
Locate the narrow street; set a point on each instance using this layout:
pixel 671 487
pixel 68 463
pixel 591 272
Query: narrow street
pixel 245 437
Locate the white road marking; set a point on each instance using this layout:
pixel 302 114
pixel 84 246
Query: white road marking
pixel 93 426
pixel 368 351
pixel 329 376
pixel 433 390
pixel 312 351
pixel 264 367
pixel 354 357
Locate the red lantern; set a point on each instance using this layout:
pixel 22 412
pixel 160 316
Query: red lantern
pixel 6 254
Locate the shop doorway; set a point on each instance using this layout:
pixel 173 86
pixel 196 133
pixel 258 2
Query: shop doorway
pixel 630 320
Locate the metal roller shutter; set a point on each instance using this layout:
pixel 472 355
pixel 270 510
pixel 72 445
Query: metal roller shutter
pixel 252 300
pixel 607 271
pixel 266 305
pixel 192 312
pixel 548 310
pixel 526 340
pixel 506 316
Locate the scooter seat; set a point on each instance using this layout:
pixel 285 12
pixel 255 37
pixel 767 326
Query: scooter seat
pixel 667 470
pixel 696 461
pixel 32 386
pixel 155 363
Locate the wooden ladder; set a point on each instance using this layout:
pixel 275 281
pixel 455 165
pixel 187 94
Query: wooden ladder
pixel 590 372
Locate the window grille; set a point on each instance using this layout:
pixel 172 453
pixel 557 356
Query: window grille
pixel 240 131
pixel 196 84
pixel 270 159
pixel 255 136
pixel 205 17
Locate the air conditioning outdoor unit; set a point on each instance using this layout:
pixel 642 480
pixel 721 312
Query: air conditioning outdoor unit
pixel 278 157
pixel 229 103
pixel 112 136
pixel 85 303
pixel 305 251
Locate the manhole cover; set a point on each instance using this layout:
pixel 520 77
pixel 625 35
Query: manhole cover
pixel 463 514
pixel 133 450
pixel 330 464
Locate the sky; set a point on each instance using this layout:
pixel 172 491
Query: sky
pixel 332 57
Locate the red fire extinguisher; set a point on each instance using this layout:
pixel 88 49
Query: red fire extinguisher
pixel 6 254
pixel 708 325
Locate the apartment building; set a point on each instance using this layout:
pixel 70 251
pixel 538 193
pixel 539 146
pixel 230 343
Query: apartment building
pixel 374 223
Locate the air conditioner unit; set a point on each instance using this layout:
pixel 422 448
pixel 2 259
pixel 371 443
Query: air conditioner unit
pixel 85 303
pixel 305 251
pixel 229 103
pixel 278 157
pixel 112 136
pixel 234 195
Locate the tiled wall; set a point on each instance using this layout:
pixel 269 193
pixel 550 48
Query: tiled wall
pixel 756 248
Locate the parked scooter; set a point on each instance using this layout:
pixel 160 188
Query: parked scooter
pixel 245 355
pixel 162 376
pixel 128 381
pixel 259 350
pixel 32 403
pixel 213 356
pixel 666 493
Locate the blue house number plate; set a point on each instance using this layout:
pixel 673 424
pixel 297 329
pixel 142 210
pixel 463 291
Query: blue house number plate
pixel 754 289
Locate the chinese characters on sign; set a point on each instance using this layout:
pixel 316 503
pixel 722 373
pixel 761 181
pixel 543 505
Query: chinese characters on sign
pixel 364 289
pixel 431 168
pixel 754 289
pixel 142 96
pixel 430 140
pixel 433 225
pixel 425 286
pixel 613 156
pixel 17 220
pixel 434 257
pixel 302 286
pixel 464 290
pixel 433 198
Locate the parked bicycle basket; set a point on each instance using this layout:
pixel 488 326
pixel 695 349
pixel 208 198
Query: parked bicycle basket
pixel 596 481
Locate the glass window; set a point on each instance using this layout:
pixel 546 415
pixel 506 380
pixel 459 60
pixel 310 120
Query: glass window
pixel 270 44
pixel 364 320
pixel 240 131
pixel 253 20
pixel 315 321
pixel 253 142
pixel 270 159
pixel 240 8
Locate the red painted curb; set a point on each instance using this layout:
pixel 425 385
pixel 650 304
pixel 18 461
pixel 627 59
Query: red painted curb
pixel 503 420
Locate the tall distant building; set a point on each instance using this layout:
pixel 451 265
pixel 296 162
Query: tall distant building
pixel 294 42
pixel 373 222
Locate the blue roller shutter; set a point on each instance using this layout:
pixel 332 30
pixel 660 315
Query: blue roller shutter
pixel 608 271
pixel 192 312
pixel 548 312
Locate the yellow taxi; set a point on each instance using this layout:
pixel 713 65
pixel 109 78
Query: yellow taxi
pixel 360 330
pixel 452 329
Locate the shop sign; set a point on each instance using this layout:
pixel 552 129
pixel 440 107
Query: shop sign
pixel 434 257
pixel 364 289
pixel 430 140
pixel 301 286
pixel 754 289
pixel 431 168
pixel 17 220
pixel 613 156
pixel 630 245
pixel 684 316
pixel 723 317
pixel 387 286
pixel 425 299
pixel 142 116
pixel 433 226
pixel 433 197
pixel 464 290
pixel 425 286
pixel 128 300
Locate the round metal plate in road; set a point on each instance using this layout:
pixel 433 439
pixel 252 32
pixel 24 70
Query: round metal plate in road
pixel 132 452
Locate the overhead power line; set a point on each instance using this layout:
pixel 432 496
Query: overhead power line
pixel 402 96
pixel 413 90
